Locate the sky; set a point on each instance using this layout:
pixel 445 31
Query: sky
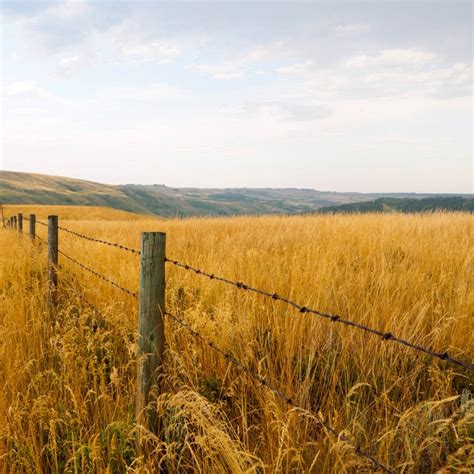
pixel 341 96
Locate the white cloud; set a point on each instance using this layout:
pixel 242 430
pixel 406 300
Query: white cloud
pixel 400 73
pixel 287 111
pixel 15 57
pixel 151 51
pixel 155 92
pixel 353 28
pixel 27 110
pixel 69 65
pixel 224 71
pixel 24 89
pixel 240 66
pixel 70 9
pixel 297 69
pixel 391 58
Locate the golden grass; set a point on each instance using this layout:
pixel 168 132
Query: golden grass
pixel 69 380
pixel 77 213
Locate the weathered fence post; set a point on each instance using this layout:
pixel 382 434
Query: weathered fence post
pixel 151 334
pixel 14 222
pixel 52 259
pixel 3 216
pixel 20 222
pixel 32 226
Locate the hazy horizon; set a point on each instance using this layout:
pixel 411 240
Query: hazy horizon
pixel 237 187
pixel 370 97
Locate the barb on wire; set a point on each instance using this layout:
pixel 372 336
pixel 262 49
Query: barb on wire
pixel 243 368
pixel 99 275
pixel 386 336
pixel 93 239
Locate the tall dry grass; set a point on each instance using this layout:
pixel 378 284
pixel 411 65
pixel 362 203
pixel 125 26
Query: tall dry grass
pixel 69 378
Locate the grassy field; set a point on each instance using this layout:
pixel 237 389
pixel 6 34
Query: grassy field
pixel 74 213
pixel 68 379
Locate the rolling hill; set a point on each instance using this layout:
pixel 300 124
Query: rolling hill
pixel 29 188
pixel 405 205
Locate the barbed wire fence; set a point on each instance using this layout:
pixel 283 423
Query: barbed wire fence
pixel 302 309
pixel 384 335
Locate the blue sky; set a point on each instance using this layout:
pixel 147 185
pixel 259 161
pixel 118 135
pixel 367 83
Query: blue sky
pixel 346 96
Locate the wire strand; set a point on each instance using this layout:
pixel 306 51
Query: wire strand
pixel 99 275
pixel 100 241
pixel 243 368
pixel 386 336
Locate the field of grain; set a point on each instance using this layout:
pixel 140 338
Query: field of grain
pixel 68 378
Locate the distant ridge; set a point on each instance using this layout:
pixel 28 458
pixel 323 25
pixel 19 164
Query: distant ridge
pixel 158 199
pixel 437 203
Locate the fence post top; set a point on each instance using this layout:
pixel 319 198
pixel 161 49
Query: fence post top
pixel 153 233
pixel 152 244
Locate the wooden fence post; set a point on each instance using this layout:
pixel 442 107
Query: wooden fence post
pixel 20 222
pixel 52 259
pixel 151 334
pixel 14 222
pixel 32 226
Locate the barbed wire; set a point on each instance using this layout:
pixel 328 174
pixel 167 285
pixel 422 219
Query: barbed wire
pixel 40 239
pixel 41 223
pixel 275 297
pixel 81 296
pixel 93 239
pixel 243 368
pixel 386 336
pixel 99 275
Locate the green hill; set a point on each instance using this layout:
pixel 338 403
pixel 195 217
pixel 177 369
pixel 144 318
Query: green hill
pixel 437 203
pixel 29 188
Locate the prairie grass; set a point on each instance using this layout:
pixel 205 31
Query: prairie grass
pixel 68 378
pixel 93 213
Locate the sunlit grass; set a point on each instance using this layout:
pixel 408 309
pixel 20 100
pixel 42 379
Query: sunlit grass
pixel 69 378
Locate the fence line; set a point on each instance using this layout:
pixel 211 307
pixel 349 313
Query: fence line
pixel 3 217
pixel 40 239
pixel 386 336
pixel 83 298
pixel 277 392
pixel 99 275
pixel 93 239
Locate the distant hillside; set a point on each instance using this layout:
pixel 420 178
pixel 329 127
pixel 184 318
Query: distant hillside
pixel 439 203
pixel 28 188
